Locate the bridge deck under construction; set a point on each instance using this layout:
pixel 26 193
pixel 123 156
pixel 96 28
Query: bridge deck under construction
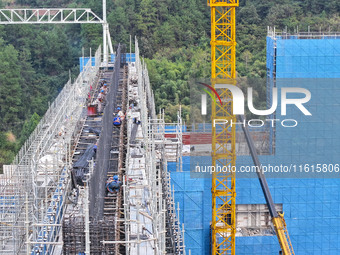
pixel 104 208
pixel 75 149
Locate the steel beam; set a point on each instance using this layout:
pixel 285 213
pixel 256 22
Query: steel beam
pixel 48 16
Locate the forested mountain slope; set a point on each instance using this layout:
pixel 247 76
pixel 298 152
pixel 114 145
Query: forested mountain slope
pixel 174 36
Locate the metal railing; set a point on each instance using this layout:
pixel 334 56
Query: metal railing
pixel 284 34
pixel 151 165
pixel 30 173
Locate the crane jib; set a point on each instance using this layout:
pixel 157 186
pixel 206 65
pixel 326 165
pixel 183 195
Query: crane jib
pixel 260 174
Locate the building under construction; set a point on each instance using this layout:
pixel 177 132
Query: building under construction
pixel 64 205
pixel 310 200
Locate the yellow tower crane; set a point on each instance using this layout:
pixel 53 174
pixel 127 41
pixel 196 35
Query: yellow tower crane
pixel 223 71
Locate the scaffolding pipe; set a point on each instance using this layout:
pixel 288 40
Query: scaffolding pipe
pixel 87 221
pixel 27 227
pixel 109 40
pixel 122 242
pixel 105 25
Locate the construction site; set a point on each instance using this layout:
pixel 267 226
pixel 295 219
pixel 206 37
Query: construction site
pixel 162 205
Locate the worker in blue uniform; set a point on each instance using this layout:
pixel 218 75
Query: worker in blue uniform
pixel 113 184
pixel 117 121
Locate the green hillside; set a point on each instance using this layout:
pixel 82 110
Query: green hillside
pixel 174 38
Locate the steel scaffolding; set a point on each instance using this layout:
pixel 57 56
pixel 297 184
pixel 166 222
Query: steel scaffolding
pixel 40 170
pixel 36 187
pixel 151 222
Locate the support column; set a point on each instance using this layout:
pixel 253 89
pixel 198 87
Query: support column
pixel 105 29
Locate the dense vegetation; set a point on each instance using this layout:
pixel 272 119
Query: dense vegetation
pixel 174 38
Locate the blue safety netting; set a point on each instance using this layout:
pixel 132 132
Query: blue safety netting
pixel 174 128
pixel 304 58
pixel 127 57
pixel 195 213
pixel 83 62
pixel 310 202
pixel 311 208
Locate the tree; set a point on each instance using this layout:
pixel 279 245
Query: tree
pixel 7 148
pixel 11 110
pixel 248 15
pixel 29 127
pixel 247 56
pixel 173 35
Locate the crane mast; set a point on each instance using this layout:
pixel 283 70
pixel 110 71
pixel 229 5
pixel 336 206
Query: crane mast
pixel 223 71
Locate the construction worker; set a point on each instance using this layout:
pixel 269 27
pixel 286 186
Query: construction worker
pixel 104 87
pixel 101 95
pixel 113 184
pixel 103 81
pixel 120 114
pixel 117 121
